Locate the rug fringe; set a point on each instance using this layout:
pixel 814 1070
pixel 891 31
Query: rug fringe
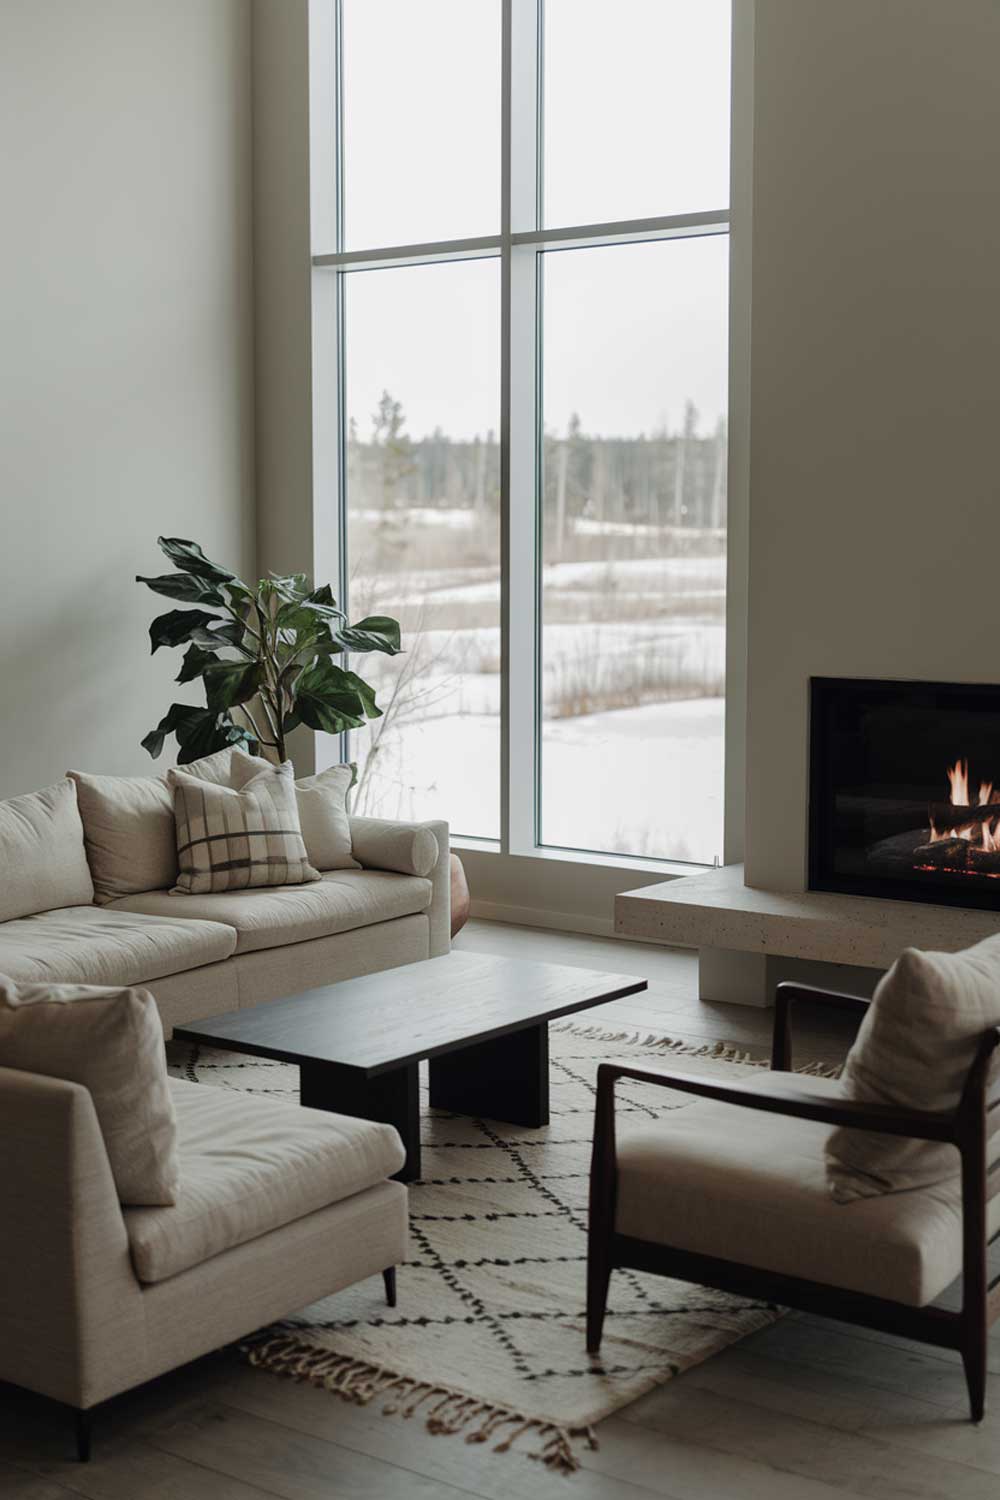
pixel 453 1412
pixel 718 1051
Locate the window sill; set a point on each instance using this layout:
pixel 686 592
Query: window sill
pixel 667 869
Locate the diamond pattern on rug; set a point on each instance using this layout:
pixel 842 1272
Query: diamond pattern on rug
pixel 490 1321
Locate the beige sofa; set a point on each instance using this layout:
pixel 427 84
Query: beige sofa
pixel 200 955
pixel 278 1207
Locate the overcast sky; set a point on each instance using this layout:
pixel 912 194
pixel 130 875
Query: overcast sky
pixel 636 124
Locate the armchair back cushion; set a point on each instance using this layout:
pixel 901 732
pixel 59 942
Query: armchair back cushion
pixel 915 1047
pixel 128 823
pixel 42 858
pixel 110 1041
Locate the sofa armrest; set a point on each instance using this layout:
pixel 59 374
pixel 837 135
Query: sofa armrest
pixel 411 849
pixel 71 1318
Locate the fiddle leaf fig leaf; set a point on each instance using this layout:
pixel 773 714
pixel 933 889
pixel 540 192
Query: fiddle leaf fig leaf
pixel 189 556
pixel 324 700
pixel 228 683
pixel 179 625
pixel 364 691
pixel 230 633
pixel 376 633
pixel 186 587
pixel 177 716
pixel 206 733
pixel 194 663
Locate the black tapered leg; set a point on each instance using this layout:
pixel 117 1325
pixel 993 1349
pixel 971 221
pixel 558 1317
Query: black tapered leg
pixel 598 1278
pixel 389 1278
pixel 392 1098
pixel 503 1079
pixel 84 1427
pixel 974 1360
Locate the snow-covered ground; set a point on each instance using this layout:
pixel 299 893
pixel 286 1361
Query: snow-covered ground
pixel 633 781
pixel 633 663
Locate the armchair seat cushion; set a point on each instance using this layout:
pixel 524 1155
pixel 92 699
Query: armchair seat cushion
pixel 248 1166
pixel 718 1180
pixel 98 945
pixel 340 902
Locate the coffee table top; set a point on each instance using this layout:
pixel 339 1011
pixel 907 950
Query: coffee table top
pixel 398 1016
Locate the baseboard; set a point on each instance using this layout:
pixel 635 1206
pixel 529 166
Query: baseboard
pixel 532 916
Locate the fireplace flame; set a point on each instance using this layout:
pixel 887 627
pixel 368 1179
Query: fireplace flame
pixel 958 780
pixel 981 833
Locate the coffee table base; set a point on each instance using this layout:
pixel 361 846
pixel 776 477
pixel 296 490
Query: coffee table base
pixel 506 1078
pixel 392 1098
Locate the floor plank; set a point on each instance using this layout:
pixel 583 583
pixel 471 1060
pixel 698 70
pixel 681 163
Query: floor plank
pixel 447 1460
pixel 861 1462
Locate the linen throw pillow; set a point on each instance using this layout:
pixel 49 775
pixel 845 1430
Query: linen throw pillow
pixel 915 1048
pixel 232 839
pixel 110 1040
pixel 128 823
pixel 322 803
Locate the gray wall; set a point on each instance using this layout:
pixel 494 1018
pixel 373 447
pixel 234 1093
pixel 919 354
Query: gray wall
pixel 126 384
pixel 875 415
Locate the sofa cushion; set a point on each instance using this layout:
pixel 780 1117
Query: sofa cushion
pixel 249 1165
pixel 128 824
pixel 98 945
pixel 322 804
pixel 239 838
pixel 339 902
pixel 717 1180
pixel 111 1041
pixel 914 1049
pixel 42 857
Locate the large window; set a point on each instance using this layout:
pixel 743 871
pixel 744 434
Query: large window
pixel 523 230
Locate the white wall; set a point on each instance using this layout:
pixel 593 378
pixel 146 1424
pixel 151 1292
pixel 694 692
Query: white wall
pixel 875 416
pixel 126 384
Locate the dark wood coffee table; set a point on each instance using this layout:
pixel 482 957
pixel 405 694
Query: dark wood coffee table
pixel 482 1022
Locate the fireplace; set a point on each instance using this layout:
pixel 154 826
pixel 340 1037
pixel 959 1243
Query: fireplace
pixel 904 790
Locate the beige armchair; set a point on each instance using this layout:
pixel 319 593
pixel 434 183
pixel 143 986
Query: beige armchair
pixel 739 1201
pixel 279 1206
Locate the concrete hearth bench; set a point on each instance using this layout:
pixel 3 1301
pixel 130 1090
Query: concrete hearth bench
pixel 746 938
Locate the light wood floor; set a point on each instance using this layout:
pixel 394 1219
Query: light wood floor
pixel 805 1410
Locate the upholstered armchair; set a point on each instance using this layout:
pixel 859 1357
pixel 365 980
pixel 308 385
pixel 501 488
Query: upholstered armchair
pixel 732 1193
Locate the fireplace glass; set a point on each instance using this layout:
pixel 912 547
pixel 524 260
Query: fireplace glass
pixel 904 790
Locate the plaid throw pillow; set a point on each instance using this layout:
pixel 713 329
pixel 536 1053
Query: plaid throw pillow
pixel 229 839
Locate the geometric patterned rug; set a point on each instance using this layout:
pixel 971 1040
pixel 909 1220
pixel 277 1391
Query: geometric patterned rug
pixel 487 1340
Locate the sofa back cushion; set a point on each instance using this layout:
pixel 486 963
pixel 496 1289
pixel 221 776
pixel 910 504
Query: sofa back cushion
pixel 322 803
pixel 915 1047
pixel 110 1040
pixel 128 823
pixel 42 856
pixel 234 839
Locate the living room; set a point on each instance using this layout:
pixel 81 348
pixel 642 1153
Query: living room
pixel 499 508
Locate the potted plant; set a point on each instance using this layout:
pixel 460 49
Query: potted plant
pixel 265 655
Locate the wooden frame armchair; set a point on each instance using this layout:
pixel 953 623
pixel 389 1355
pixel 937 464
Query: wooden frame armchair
pixel 967 1127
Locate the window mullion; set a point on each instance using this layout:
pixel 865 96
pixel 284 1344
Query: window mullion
pixel 518 428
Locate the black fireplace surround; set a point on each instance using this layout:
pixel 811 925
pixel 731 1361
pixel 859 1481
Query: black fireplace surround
pixel 904 790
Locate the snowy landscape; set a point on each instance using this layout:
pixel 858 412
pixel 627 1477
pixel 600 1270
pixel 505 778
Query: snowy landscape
pixel 633 655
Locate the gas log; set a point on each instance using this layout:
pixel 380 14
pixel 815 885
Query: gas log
pixel 958 854
pixel 947 815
